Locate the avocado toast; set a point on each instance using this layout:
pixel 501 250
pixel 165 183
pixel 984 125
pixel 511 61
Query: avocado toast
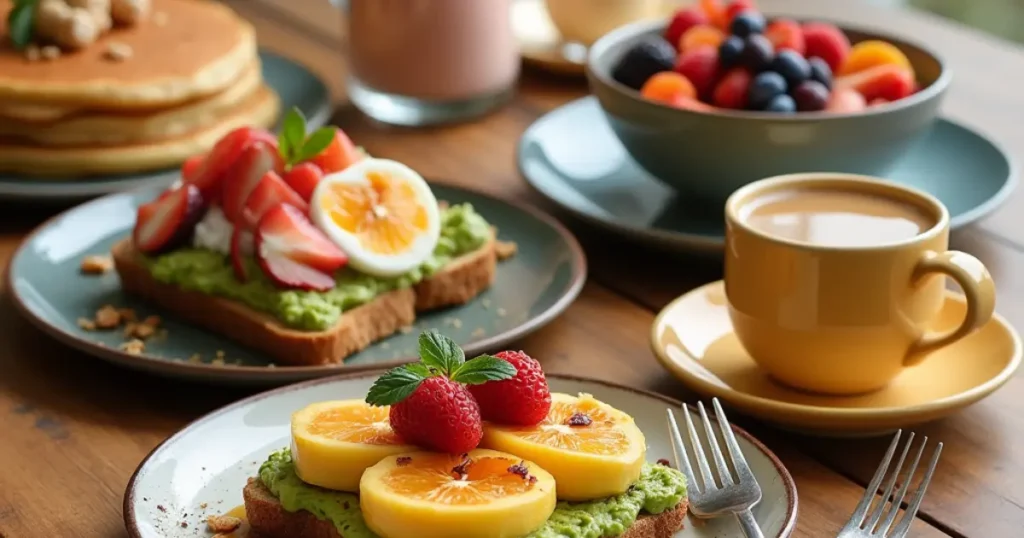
pixel 303 246
pixel 480 448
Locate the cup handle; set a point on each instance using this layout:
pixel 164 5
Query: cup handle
pixel 975 281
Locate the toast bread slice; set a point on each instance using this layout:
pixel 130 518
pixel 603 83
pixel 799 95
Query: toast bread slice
pixel 456 283
pixel 269 519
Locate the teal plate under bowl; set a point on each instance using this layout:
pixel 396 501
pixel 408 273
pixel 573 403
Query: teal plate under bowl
pixel 296 85
pixel 572 157
pixel 530 289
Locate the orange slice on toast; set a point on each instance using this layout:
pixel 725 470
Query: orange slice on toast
pixel 592 449
pixel 481 494
pixel 379 212
pixel 334 442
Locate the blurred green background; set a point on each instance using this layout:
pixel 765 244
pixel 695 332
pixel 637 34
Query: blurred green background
pixel 1004 18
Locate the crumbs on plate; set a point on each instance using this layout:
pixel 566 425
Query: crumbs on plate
pixel 96 265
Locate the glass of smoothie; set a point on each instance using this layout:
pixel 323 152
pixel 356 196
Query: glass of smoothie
pixel 425 62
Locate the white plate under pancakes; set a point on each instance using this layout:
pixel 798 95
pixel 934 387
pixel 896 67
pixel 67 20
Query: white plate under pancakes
pixel 201 470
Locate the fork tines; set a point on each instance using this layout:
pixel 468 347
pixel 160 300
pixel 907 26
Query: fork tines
pixel 878 520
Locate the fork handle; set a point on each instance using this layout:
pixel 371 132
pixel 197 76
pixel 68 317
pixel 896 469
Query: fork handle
pixel 748 525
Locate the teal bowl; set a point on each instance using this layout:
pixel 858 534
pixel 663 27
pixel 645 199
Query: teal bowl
pixel 710 154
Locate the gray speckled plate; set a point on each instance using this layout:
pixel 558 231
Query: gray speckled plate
pixel 296 85
pixel 530 289
pixel 571 156
pixel 202 469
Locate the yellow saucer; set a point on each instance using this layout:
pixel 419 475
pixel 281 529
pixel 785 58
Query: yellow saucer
pixel 542 45
pixel 693 338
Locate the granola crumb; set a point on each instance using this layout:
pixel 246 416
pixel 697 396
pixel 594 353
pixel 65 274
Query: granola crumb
pixel 87 324
pixel 195 359
pixel 152 321
pixel 107 317
pixel 457 323
pixel 405 330
pixel 183 525
pixel 161 508
pixel 478 332
pixel 219 354
pixel 501 312
pixel 133 346
pixel 96 265
pixel 217 361
pixel 49 52
pixel 202 506
pixel 223 523
pixel 143 331
pixel 271 365
pixel 505 249
pixel 127 314
pixel 117 52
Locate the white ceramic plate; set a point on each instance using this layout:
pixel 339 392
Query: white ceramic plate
pixel 201 470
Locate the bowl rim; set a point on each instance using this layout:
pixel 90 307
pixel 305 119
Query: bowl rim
pixel 635 29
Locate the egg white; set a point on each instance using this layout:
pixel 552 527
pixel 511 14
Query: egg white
pixel 361 258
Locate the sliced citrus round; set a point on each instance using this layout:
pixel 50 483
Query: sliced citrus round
pixel 379 212
pixel 481 494
pixel 334 442
pixel 592 449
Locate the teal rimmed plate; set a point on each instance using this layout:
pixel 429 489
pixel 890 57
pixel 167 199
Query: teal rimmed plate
pixel 296 85
pixel 530 289
pixel 572 157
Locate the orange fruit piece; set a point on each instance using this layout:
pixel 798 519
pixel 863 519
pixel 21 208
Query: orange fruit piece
pixel 334 442
pixel 592 449
pixel 668 86
pixel 716 12
pixel 483 493
pixel 700 35
pixel 868 54
pixel 381 213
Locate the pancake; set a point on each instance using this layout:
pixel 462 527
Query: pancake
pixel 120 129
pixel 200 50
pixel 260 109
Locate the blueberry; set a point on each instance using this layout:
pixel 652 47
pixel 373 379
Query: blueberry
pixel 781 103
pixel 644 60
pixel 747 23
pixel 820 71
pixel 758 52
pixel 764 88
pixel 730 50
pixel 793 66
pixel 810 96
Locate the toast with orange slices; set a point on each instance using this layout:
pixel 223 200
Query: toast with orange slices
pixel 474 448
pixel 303 247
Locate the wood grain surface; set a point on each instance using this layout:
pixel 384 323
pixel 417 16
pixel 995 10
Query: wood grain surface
pixel 72 429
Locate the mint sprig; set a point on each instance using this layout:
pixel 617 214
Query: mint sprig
pixel 293 143
pixel 21 22
pixel 439 356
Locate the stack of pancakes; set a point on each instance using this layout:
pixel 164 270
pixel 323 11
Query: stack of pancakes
pixel 193 75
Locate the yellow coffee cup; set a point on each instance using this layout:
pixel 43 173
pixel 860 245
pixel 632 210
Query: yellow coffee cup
pixel 831 279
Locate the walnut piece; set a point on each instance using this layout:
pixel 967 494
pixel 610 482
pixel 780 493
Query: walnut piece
pixel 223 523
pixel 96 265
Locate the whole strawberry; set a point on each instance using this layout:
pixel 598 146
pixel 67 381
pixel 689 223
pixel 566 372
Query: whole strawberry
pixel 523 400
pixel 430 404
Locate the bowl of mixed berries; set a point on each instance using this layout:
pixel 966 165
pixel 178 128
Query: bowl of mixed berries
pixel 721 94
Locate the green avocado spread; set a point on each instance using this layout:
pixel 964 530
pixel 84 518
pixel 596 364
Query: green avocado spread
pixel 463 230
pixel 658 489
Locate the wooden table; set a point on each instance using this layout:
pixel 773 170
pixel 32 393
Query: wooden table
pixel 72 428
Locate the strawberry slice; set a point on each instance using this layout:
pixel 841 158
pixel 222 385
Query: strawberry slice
pixel 239 238
pixel 269 192
pixel 253 163
pixel 169 220
pixel 191 167
pixel 222 157
pixel 303 178
pixel 294 253
pixel 339 154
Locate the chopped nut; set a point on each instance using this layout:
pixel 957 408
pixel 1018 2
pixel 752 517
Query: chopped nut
pixel 127 315
pixel 505 249
pixel 195 359
pixel 32 53
pixel 202 506
pixel 139 330
pixel 217 361
pixel 70 28
pixel 87 324
pixel 160 18
pixel 129 12
pixel 223 523
pixel 117 52
pixel 49 52
pixel 108 317
pixel 133 347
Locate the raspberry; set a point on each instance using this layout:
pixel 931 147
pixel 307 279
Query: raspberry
pixel 523 400
pixel 441 415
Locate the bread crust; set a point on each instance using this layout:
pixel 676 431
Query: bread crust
pixel 270 520
pixel 457 283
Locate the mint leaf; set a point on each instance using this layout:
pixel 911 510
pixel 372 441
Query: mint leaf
pixel 483 369
pixel 20 23
pixel 440 352
pixel 394 386
pixel 293 135
pixel 419 368
pixel 315 144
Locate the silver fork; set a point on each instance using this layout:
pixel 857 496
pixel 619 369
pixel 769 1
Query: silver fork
pixel 863 525
pixel 731 494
